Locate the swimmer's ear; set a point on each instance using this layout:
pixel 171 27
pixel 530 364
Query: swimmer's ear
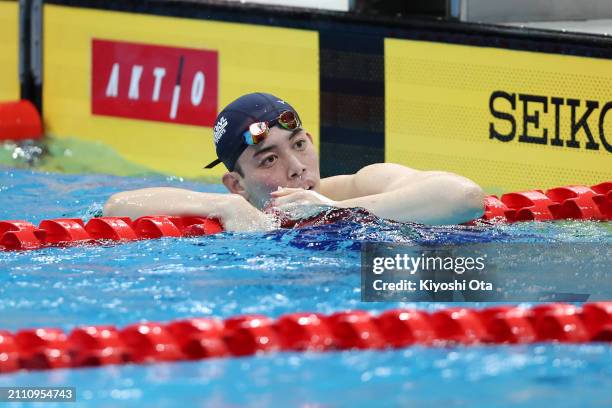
pixel 233 182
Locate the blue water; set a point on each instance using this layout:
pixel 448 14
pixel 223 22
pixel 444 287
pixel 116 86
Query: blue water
pixel 271 273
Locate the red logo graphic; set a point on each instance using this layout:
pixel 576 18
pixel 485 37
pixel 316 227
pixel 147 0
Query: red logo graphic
pixel 151 82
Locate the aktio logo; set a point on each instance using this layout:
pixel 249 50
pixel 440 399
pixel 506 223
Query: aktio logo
pixel 151 82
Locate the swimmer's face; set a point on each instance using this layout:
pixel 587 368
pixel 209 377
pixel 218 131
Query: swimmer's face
pixel 284 158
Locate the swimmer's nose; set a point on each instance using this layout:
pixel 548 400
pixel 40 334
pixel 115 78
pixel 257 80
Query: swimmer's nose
pixel 296 168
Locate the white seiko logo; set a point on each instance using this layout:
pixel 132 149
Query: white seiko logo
pixel 219 129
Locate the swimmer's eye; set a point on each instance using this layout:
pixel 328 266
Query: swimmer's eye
pixel 268 161
pixel 300 144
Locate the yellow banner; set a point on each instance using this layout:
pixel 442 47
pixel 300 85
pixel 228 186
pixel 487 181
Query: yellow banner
pixel 510 120
pixel 9 51
pixel 251 58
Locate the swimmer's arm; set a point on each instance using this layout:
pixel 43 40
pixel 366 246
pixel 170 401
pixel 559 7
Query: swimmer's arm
pixel 232 210
pixel 399 193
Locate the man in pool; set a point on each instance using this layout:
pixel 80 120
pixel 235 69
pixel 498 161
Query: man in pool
pixel 273 168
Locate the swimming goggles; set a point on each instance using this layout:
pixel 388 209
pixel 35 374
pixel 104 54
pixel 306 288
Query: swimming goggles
pixel 260 130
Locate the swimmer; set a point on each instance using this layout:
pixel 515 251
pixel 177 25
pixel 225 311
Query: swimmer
pixel 273 167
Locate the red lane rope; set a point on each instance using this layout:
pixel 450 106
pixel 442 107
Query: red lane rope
pixel 69 231
pixel 571 202
pixel 200 338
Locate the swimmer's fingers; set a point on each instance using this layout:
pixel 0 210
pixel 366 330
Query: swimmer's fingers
pixel 285 191
pixel 290 197
pixel 303 197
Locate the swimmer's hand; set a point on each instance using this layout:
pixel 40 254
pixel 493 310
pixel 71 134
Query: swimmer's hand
pixel 239 215
pixel 299 202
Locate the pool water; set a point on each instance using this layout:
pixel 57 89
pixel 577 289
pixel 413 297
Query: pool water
pixel 272 273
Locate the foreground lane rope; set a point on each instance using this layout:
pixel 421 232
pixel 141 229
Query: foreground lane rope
pixel 247 335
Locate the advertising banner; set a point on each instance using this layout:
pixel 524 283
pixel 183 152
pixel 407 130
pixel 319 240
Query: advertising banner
pixel 149 87
pixel 9 50
pixel 509 120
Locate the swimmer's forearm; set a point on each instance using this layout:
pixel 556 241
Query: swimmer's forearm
pixel 162 200
pixel 440 199
pixel 234 212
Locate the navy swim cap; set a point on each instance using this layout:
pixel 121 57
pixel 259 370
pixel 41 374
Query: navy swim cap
pixel 235 119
